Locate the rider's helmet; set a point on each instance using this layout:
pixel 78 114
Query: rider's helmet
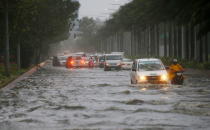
pixel 175 61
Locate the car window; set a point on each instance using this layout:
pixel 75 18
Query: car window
pixel 77 58
pixel 150 66
pixel 62 58
pixel 127 60
pixel 101 58
pixel 113 57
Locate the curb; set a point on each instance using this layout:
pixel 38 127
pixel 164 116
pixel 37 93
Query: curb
pixel 12 84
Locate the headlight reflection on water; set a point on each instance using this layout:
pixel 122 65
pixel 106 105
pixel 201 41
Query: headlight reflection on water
pixel 165 88
pixel 143 89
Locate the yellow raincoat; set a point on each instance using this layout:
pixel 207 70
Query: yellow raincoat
pixel 174 68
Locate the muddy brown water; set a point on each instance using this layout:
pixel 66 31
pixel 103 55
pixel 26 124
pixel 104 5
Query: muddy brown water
pixel 56 98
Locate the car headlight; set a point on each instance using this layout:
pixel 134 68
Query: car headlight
pixel 107 64
pixel 164 78
pixel 143 78
pixel 118 63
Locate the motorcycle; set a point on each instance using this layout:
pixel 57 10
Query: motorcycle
pixel 178 79
pixel 91 64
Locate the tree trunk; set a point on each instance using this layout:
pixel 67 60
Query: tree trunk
pixel 192 43
pixel 170 40
pixel 157 39
pixel 179 43
pixel 175 40
pixel 187 43
pixel 7 57
pixel 206 48
pixel 18 56
pixel 201 50
pixel 165 39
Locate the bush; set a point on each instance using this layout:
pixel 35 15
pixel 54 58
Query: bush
pixel 185 63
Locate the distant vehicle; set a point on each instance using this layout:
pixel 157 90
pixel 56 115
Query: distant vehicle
pixel 55 61
pixel 178 79
pixel 127 64
pixel 76 61
pixel 95 59
pixel 91 63
pixel 101 61
pixel 119 53
pixel 62 60
pixel 82 54
pixel 112 61
pixel 149 71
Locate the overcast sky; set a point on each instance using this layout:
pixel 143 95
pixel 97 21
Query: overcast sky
pixel 99 8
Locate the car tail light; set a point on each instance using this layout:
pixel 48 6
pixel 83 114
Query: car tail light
pixel 72 62
pixel 82 62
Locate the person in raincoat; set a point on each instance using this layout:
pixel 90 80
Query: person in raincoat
pixel 173 68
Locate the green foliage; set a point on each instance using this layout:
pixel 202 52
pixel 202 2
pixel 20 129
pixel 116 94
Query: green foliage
pixel 140 13
pixel 4 80
pixel 37 23
pixel 88 29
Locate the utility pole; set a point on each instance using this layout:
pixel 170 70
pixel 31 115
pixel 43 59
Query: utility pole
pixel 7 63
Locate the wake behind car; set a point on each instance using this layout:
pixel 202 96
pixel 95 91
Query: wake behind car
pixel 112 61
pixel 151 71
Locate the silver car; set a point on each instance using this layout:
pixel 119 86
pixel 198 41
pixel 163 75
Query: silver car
pixel 113 61
pixel 127 64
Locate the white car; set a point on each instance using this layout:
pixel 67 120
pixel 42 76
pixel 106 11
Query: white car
pixel 127 64
pixel 149 71
pixel 62 60
pixel 112 61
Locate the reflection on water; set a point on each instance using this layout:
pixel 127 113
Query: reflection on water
pixel 58 98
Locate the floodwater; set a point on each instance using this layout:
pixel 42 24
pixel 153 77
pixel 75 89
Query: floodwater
pixel 56 98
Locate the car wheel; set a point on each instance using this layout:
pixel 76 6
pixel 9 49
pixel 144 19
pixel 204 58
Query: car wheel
pixel 132 82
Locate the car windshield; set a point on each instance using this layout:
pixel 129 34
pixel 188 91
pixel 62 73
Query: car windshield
pixel 150 66
pixel 101 58
pixel 113 57
pixel 63 58
pixel 77 58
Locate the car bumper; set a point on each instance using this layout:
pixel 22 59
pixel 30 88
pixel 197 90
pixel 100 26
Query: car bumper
pixel 153 82
pixel 113 66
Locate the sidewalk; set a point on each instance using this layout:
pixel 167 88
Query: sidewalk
pixel 23 76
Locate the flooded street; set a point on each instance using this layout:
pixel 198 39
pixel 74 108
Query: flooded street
pixel 56 98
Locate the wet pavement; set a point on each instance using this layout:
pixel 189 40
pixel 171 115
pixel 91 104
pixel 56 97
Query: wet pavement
pixel 56 98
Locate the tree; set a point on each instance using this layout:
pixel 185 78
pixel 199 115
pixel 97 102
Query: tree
pixel 36 24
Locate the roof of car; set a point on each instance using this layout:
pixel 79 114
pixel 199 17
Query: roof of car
pixel 113 55
pixel 148 59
